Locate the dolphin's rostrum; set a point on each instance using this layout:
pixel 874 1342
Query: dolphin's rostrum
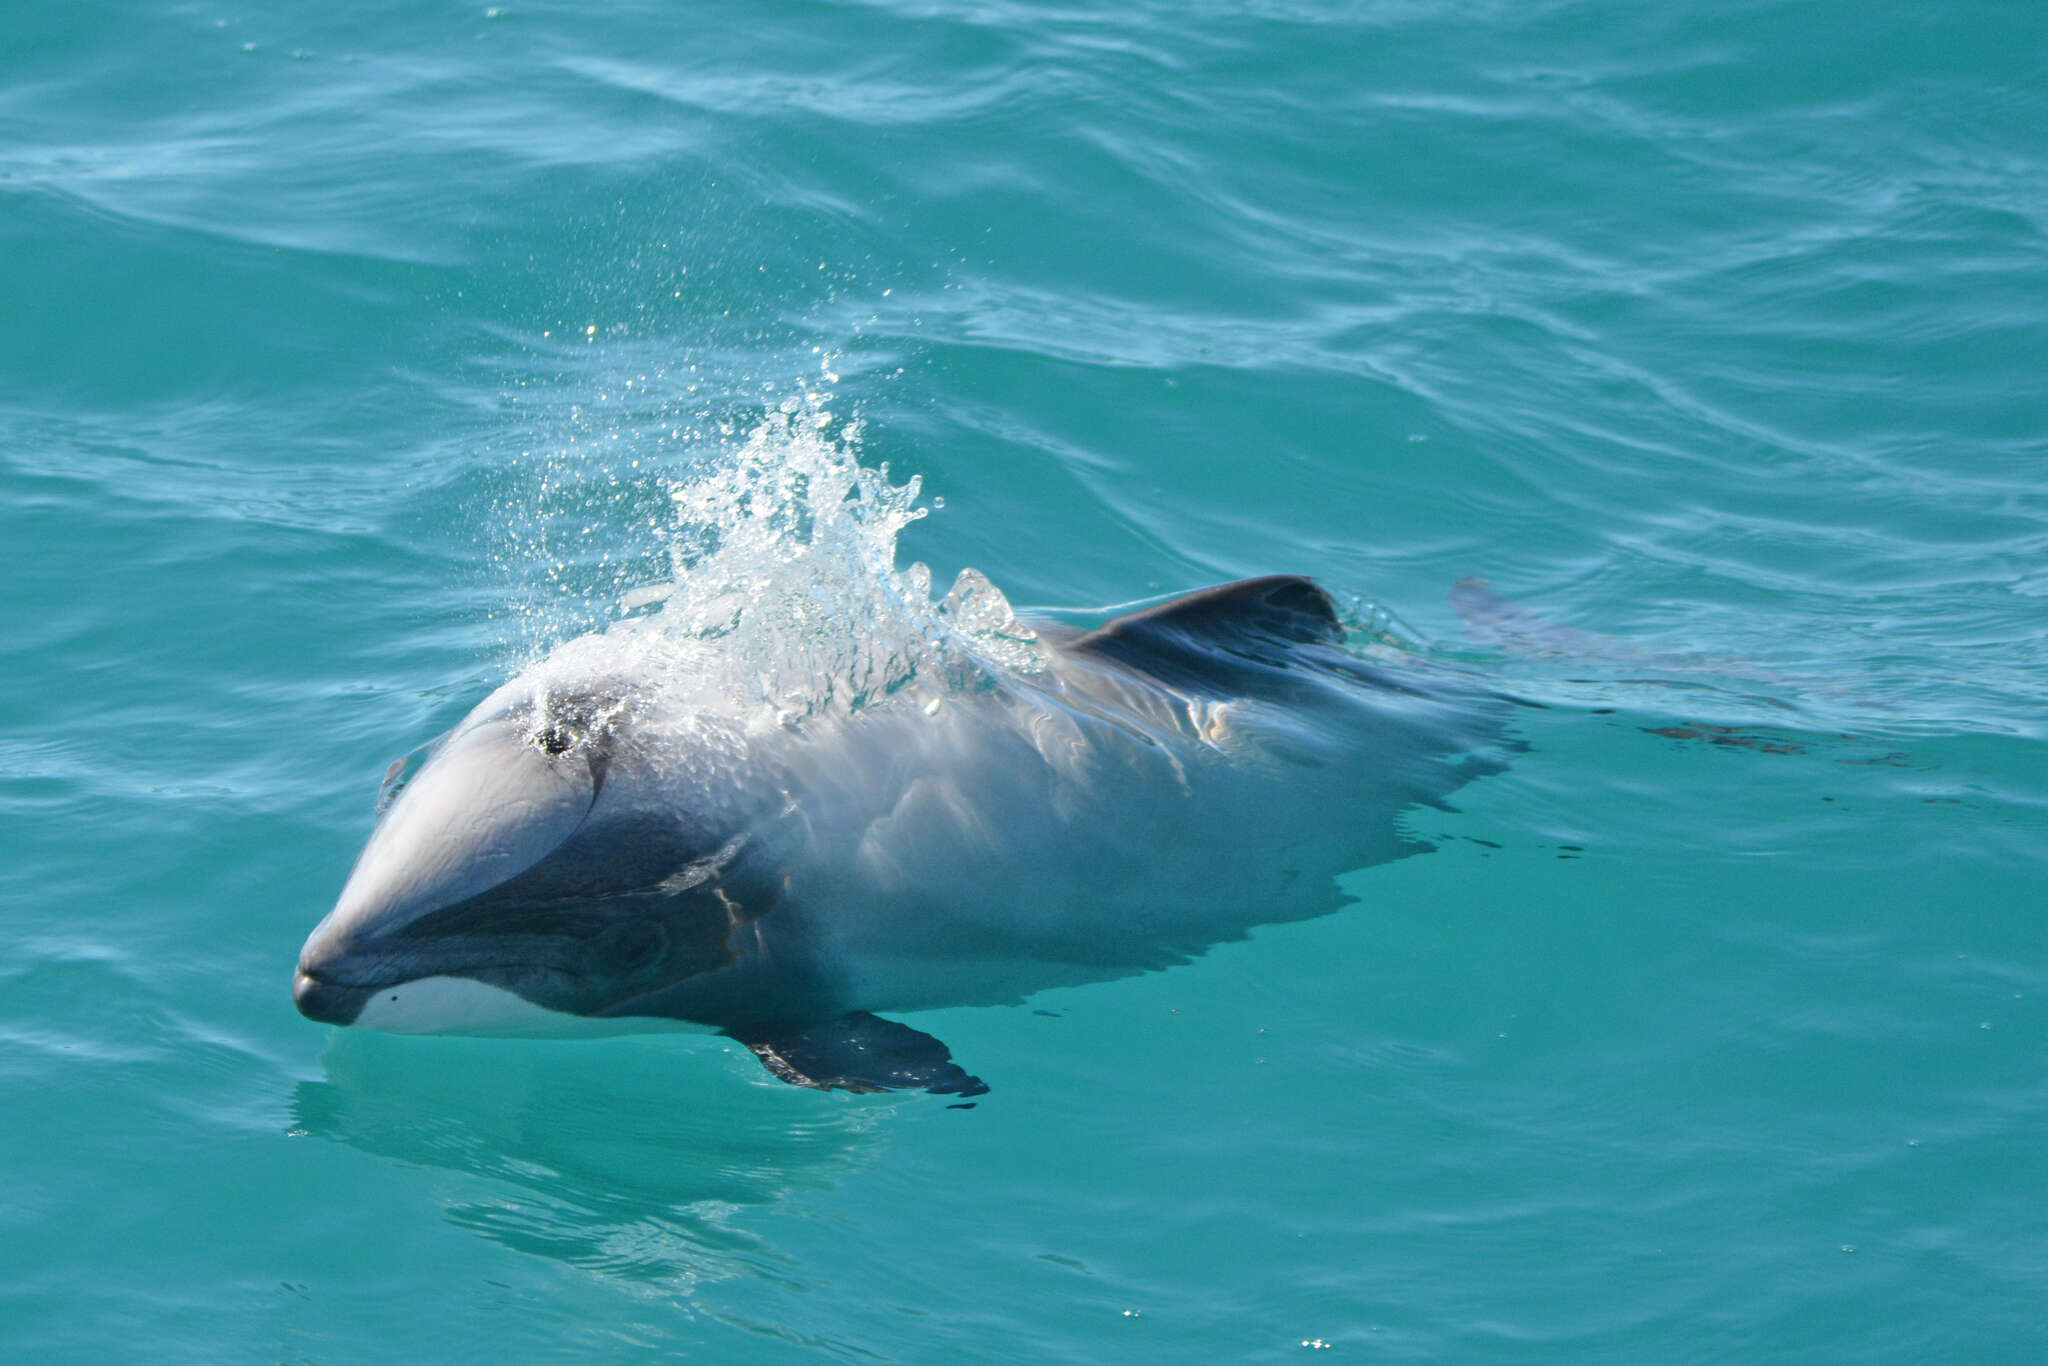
pixel 582 850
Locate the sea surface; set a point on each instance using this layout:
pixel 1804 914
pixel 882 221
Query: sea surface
pixel 352 356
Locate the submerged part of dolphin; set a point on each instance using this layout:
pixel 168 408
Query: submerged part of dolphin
pixel 585 850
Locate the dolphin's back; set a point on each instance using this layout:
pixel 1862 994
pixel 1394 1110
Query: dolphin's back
pixel 1176 777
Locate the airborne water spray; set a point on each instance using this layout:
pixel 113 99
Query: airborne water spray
pixel 766 578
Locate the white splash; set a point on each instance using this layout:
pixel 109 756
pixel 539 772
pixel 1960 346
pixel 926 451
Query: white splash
pixel 785 600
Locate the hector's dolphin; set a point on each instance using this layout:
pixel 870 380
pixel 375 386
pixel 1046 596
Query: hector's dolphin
pixel 585 851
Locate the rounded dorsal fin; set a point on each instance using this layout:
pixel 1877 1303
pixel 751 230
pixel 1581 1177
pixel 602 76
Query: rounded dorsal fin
pixel 1238 617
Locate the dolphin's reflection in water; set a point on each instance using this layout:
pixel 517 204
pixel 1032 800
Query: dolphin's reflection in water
pixel 626 1157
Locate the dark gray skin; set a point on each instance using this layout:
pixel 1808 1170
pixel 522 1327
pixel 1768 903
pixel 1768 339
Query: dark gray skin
pixel 1175 777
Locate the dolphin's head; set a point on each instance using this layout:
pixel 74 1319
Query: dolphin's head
pixel 546 864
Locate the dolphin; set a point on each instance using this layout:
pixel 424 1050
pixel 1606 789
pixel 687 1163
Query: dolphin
pixel 585 852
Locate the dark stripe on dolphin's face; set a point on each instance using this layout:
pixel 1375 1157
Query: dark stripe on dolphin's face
pixel 575 952
pixel 597 956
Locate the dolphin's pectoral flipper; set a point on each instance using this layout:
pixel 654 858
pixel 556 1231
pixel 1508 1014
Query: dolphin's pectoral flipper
pixel 863 1052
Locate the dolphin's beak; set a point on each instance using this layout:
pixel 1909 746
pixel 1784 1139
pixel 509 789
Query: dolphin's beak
pixel 489 806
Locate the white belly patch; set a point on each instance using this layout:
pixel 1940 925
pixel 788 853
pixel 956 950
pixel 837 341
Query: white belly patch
pixel 460 1005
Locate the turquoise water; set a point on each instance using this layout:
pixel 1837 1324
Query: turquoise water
pixel 351 354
